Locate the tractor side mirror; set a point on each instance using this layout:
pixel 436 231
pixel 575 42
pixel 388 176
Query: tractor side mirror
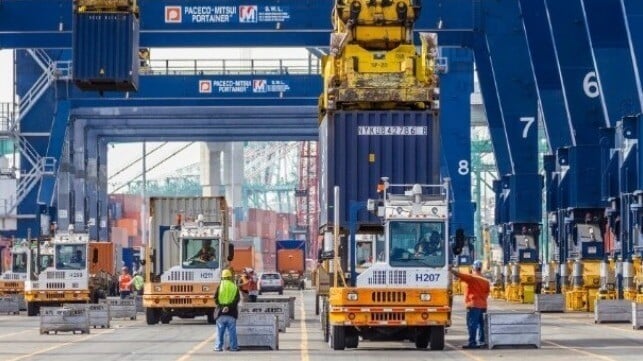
pixel 230 252
pixel 459 241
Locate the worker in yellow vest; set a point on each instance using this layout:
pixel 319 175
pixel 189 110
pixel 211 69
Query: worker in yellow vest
pixel 226 298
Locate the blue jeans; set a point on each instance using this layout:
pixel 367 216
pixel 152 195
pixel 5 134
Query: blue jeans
pixel 475 325
pixel 125 294
pixel 224 323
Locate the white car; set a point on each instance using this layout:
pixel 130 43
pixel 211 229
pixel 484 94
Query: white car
pixel 271 282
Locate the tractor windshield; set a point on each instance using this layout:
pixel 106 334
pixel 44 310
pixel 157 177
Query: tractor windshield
pixel 201 253
pixel 71 256
pixel 19 262
pixel 417 244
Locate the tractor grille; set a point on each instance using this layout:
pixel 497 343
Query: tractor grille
pixel 56 285
pixel 11 276
pixel 182 288
pixel 180 301
pixel 388 297
pixel 181 276
pixel 11 284
pixel 388 316
pixel 56 275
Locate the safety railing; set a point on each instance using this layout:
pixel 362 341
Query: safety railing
pixel 6 119
pixel 301 66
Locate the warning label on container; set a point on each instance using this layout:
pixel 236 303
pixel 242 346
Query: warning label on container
pixel 392 130
pixel 221 14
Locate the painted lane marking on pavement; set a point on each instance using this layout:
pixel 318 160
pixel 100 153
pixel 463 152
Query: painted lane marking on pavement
pixel 304 329
pixel 59 346
pixel 17 333
pixel 196 348
pixel 466 353
pixel 586 353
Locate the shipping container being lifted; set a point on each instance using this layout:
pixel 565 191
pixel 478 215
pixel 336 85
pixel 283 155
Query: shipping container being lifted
pixel 379 132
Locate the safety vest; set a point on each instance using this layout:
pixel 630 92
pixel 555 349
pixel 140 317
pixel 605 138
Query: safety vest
pixel 227 292
pixel 124 282
pixel 138 283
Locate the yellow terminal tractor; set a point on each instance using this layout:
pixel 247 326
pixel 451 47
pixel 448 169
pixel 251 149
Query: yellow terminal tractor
pixel 68 268
pixel 185 260
pixel 405 293
pixel 12 281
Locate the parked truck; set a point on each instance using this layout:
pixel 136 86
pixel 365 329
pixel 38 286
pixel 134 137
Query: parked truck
pixel 68 268
pixel 187 250
pixel 12 281
pixel 291 262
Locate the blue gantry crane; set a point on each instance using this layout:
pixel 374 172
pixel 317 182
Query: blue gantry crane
pixel 573 66
pixel 166 103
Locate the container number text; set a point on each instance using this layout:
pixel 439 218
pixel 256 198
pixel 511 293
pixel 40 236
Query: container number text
pixel 392 130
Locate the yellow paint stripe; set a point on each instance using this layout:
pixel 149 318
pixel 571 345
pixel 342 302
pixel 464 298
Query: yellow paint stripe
pixel 196 348
pixel 464 352
pixel 28 356
pixel 586 353
pixel 17 333
pixel 304 330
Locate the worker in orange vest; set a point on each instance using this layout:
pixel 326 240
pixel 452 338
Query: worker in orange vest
pixel 248 285
pixel 124 283
pixel 476 291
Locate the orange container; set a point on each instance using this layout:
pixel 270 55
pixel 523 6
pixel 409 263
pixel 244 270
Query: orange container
pixel 101 257
pixel 131 225
pixel 243 257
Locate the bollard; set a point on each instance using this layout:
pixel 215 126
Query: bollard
pixel 513 329
pixel 612 311
pixel 9 305
pixel 268 308
pixel 121 308
pixel 258 330
pixel 55 319
pixel 289 299
pixel 98 313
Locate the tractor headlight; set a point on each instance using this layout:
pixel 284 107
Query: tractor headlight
pixel 157 288
pixel 206 288
pixel 425 297
pixel 352 296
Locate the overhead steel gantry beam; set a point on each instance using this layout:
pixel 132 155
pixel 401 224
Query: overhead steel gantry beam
pixel 456 86
pixel 510 98
pixel 617 81
pixel 550 93
pixel 93 129
pixel 198 103
pixel 205 23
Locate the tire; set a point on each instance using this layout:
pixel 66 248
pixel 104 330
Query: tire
pixel 210 315
pixel 32 309
pixel 352 337
pixel 152 316
pixel 338 338
pixel 165 318
pixel 325 323
pixel 437 338
pixel 316 305
pixel 422 337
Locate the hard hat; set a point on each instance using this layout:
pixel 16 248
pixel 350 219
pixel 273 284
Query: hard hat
pixel 477 265
pixel 226 274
